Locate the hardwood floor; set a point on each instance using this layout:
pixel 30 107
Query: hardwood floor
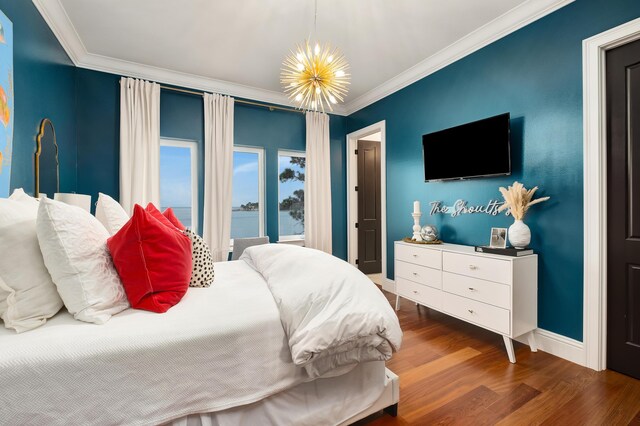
pixel 453 373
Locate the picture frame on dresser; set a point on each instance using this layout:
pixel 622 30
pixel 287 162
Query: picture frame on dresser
pixel 498 293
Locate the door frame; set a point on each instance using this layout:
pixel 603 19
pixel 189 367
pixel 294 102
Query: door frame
pixel 352 196
pixel 595 188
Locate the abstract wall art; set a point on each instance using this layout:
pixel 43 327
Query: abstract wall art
pixel 6 102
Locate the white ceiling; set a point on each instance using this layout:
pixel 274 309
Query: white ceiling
pixel 237 46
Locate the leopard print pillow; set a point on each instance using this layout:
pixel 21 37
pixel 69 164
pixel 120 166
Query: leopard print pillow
pixel 202 272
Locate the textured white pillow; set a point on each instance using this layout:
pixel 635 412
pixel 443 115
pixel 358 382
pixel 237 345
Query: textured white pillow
pixel 74 247
pixel 110 213
pixel 27 294
pixel 25 199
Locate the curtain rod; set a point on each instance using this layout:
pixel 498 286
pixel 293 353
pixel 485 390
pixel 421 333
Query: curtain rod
pixel 240 101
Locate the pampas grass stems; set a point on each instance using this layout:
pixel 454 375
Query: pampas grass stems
pixel 518 199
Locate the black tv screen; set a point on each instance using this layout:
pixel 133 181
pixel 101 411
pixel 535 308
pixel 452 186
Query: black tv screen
pixel 480 148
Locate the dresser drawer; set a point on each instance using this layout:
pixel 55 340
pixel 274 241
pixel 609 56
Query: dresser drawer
pixel 420 256
pixel 476 289
pixel 485 268
pixel 422 294
pixel 420 274
pixel 479 313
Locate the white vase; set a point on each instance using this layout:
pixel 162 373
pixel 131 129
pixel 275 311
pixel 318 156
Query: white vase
pixel 519 234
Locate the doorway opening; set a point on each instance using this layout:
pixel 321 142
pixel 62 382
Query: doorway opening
pixel 366 203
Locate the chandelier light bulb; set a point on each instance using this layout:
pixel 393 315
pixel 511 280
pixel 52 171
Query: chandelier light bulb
pixel 332 99
pixel 340 73
pixel 317 90
pixel 330 58
pixel 300 57
pixel 317 49
pixel 300 67
pixel 299 97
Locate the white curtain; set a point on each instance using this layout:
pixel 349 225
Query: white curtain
pixel 139 143
pixel 218 173
pixel 317 197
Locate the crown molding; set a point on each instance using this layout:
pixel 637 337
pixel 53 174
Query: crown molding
pixel 56 17
pixel 498 28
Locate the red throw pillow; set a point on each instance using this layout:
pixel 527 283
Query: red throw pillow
pixel 153 211
pixel 153 261
pixel 168 213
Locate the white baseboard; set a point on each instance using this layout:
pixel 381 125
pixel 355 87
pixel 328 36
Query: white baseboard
pixel 389 285
pixel 558 345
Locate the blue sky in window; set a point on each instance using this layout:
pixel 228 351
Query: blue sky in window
pixel 287 188
pixel 245 178
pixel 175 176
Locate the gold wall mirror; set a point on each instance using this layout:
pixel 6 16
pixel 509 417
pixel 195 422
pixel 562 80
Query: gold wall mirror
pixel 47 166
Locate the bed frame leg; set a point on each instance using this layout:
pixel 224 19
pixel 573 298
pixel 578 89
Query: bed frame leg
pixel 392 410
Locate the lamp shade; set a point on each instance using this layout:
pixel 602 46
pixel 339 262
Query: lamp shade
pixel 79 200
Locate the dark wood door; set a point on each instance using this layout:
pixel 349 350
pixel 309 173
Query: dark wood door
pixel 623 209
pixel 369 208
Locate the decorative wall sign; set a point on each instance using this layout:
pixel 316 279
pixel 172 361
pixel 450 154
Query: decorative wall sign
pixel 461 207
pixel 6 102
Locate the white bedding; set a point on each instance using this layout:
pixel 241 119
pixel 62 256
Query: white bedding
pixel 329 401
pixel 212 351
pixel 332 314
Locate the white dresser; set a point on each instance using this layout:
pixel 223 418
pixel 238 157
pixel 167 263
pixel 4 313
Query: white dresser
pixel 499 293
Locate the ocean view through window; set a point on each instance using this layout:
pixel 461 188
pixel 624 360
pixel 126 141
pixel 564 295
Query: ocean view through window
pixel 291 169
pixel 179 180
pixel 247 213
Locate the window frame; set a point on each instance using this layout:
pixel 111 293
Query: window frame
pixel 261 186
pixel 289 238
pixel 192 145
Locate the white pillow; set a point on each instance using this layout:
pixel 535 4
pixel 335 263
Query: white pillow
pixel 74 247
pixel 110 213
pixel 25 199
pixel 27 294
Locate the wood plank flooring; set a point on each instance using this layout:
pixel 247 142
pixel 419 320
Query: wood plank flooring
pixel 453 373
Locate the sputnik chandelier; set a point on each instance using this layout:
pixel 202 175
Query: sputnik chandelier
pixel 315 77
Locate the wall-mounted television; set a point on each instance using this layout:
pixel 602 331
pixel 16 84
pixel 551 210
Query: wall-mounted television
pixel 478 149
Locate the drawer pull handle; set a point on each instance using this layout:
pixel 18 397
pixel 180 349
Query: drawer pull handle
pixel 415 273
pixel 472 289
pixel 470 311
pixel 473 267
pixel 415 291
pixel 415 255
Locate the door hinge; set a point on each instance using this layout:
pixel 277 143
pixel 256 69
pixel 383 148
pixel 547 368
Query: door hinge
pixel 357 225
pixel 357 261
pixel 356 152
pixel 356 188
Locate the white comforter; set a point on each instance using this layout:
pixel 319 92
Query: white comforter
pixel 333 315
pixel 220 347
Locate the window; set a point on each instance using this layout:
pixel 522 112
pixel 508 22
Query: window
pixel 291 167
pixel 179 180
pixel 247 216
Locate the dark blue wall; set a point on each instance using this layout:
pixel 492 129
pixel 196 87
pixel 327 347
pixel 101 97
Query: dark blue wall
pixel 98 133
pixel 44 79
pixel 182 117
pixel 536 74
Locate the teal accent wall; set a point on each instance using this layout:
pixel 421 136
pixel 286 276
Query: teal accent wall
pixel 44 79
pixel 536 75
pixel 182 117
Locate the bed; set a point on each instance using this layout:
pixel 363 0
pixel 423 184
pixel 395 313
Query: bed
pixel 223 355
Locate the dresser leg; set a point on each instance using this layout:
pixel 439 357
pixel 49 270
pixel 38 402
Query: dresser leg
pixel 532 342
pixel 508 343
pixel 397 302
